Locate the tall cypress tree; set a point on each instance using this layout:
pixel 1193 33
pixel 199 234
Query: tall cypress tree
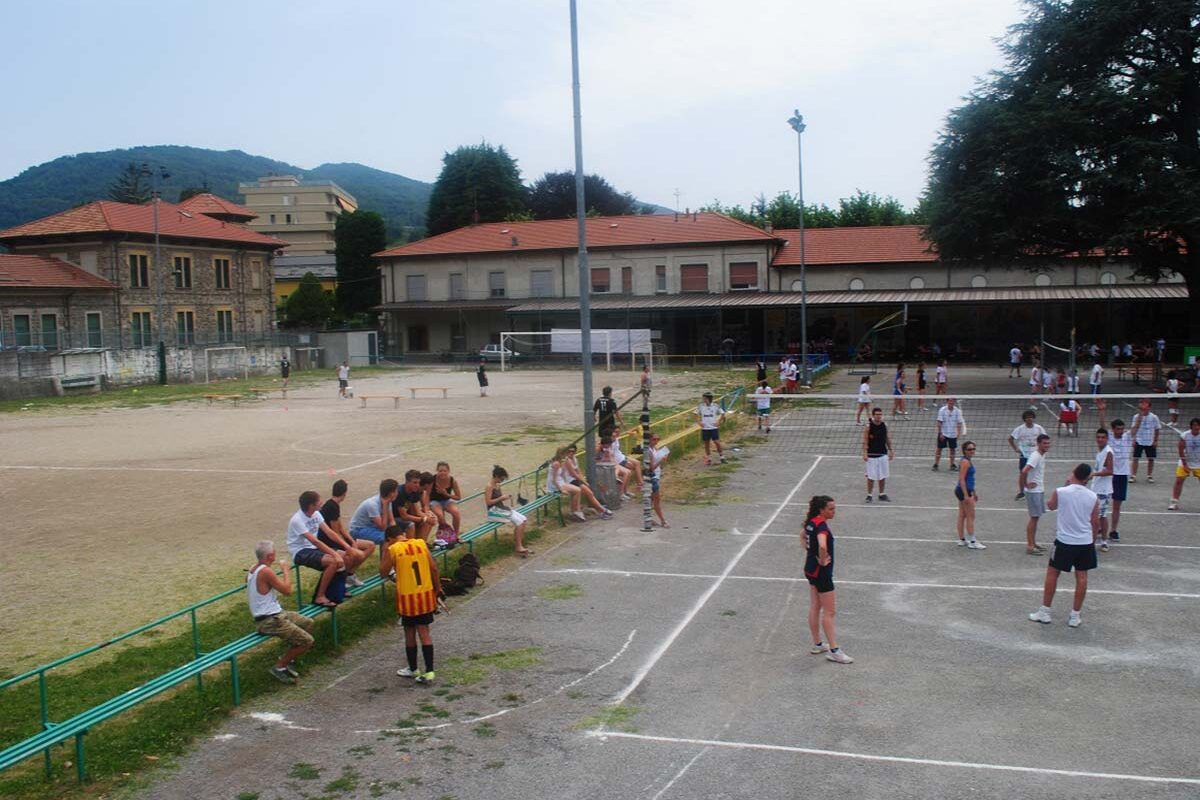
pixel 358 235
pixel 477 183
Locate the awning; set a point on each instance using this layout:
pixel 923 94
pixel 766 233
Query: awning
pixel 1018 294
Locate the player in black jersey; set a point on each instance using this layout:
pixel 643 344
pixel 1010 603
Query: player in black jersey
pixel 818 568
pixel 877 453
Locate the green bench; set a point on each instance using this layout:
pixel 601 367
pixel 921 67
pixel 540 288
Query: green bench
pixel 79 725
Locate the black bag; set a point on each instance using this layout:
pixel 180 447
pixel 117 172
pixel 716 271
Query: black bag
pixel 466 576
pixel 335 591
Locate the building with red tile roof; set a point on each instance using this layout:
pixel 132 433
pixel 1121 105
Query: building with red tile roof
pixel 218 208
pixel 49 304
pixel 868 245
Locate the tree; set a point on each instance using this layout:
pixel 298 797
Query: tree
pixel 191 191
pixel 308 305
pixel 1088 138
pixel 478 183
pixel 784 212
pixel 552 196
pixel 357 236
pixel 131 185
pixel 867 208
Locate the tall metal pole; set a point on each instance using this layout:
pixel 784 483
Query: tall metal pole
pixel 797 123
pixel 585 283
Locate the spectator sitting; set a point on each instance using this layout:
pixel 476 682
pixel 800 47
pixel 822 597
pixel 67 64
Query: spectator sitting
pixel 498 509
pixel 575 478
pixel 309 551
pixel 374 515
pixel 409 507
pixel 444 496
pixel 269 617
pixel 557 480
pixel 355 551
pixel 610 452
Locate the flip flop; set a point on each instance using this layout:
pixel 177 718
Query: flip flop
pixel 524 553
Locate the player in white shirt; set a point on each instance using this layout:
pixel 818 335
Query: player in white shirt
pixel 1035 378
pixel 1023 441
pixel 1146 427
pixel 1102 482
pixel 949 426
pixel 1096 378
pixel 1173 397
pixel 1073 381
pixel 1189 460
pixel 1049 379
pixel 711 415
pixel 657 456
pixel 1014 361
pixel 1076 524
pixel 1033 489
pixel 343 373
pixel 1121 442
pixel 864 399
pixel 939 378
pixel 783 371
pixel 762 404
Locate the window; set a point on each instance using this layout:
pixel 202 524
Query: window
pixel 743 275
pixel 660 278
pixel 797 285
pixel 458 289
pixel 50 331
pixel 1108 278
pixel 857 284
pixel 601 278
pixel 272 219
pixel 414 287
pixel 221 268
pixel 87 260
pixel 258 322
pixel 224 326
pixel 418 339
pixel 693 278
pixel 139 270
pixel 255 274
pixel 185 327
pixel 541 283
pixel 1042 280
pixel 95 336
pixel 286 200
pixel 496 284
pixel 139 325
pixel 183 272
pixel 22 333
pixel 978 282
pixel 287 219
pixel 917 283
pixel 626 280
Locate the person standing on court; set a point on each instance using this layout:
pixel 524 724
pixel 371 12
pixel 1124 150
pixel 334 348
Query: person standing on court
pixel 1146 427
pixel 877 454
pixel 762 404
pixel 864 400
pixel 1023 441
pixel 949 426
pixel 711 416
pixel 606 413
pixel 760 370
pixel 1076 525
pixel 1102 483
pixel 1014 361
pixel 1096 379
pixel 481 376
pixel 1189 460
pixel 343 374
pixel 270 619
pixel 408 562
pixel 1033 489
pixel 921 386
pixel 964 491
pixel 285 370
pixel 939 378
pixel 818 569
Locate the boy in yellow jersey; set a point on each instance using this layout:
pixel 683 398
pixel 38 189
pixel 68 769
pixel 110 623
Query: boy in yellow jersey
pixel 418 587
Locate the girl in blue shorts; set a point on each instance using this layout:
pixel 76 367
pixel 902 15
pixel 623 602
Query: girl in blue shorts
pixel 967 499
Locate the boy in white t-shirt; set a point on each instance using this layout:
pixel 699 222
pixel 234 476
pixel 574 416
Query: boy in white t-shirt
pixel 1146 427
pixel 1173 397
pixel 1023 440
pixel 1076 524
pixel 1033 489
pixel 657 456
pixel 939 378
pixel 864 399
pixel 1014 361
pixel 762 405
pixel 1121 442
pixel 1189 460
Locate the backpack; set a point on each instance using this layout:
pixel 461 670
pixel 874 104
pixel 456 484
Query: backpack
pixel 335 591
pixel 446 534
pixel 466 576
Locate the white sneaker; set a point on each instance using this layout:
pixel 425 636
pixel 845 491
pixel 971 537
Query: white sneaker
pixel 353 580
pixel 839 657
pixel 818 648
pixel 1073 621
pixel 1104 545
pixel 579 516
pixel 1041 615
pixel 405 672
pixel 962 542
pixel 1173 505
pixel 626 496
pixel 975 544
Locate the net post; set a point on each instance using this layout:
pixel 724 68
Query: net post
pixel 502 346
pixel 647 461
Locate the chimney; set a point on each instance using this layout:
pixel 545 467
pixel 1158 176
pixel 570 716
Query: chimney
pixel 677 216
pixel 770 228
pixel 514 241
pixel 695 216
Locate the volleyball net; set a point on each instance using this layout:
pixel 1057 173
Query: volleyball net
pixel 833 425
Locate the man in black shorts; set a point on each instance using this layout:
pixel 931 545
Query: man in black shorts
pixel 355 551
pixel 1074 542
pixel 606 413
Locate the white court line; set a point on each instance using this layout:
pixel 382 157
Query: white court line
pixel 1015 509
pixel 666 643
pixel 366 463
pixel 1121 545
pixel 925 762
pixel 680 774
pixel 899 584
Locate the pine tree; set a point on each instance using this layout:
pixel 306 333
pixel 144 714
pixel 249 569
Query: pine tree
pixel 132 185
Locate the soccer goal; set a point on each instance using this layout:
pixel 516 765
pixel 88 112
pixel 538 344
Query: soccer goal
pixel 222 363
pixel 544 346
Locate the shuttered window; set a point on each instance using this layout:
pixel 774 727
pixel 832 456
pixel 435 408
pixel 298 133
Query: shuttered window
pixel 743 275
pixel 627 280
pixel 600 280
pixel 458 290
pixel 414 287
pixel 541 283
pixel 693 278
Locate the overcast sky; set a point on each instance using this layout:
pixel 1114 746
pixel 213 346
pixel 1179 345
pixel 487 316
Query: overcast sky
pixel 691 95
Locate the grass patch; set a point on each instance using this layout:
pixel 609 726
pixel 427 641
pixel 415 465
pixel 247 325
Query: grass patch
pixel 493 765
pixel 560 591
pixel 348 782
pixel 615 718
pixel 304 772
pixel 247 796
pixel 484 730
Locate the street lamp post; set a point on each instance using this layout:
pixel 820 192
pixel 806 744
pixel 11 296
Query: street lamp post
pixel 585 309
pixel 797 123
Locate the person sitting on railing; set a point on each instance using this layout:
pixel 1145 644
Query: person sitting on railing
pixel 444 496
pixel 498 510
pixel 409 507
pixel 574 477
pixel 626 468
pixel 355 551
pixel 309 551
pixel 374 515
pixel 270 619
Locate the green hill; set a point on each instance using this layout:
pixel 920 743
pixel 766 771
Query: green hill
pixel 71 180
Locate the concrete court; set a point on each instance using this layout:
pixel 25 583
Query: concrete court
pixel 700 630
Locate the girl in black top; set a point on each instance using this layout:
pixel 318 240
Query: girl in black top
pixel 444 495
pixel 921 386
pixel 818 568
pixel 761 373
pixel 481 376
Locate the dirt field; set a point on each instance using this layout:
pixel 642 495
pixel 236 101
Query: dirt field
pixel 118 516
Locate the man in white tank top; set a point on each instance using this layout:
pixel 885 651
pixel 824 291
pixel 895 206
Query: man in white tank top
pixel 270 619
pixel 1074 542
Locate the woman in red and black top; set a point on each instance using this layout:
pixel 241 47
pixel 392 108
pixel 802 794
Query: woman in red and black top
pixel 818 568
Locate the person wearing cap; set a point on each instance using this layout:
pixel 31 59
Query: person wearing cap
pixel 711 416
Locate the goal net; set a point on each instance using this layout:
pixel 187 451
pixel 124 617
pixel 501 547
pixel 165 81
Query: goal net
pixel 223 363
pixel 564 345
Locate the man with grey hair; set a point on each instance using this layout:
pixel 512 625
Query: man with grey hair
pixel 270 619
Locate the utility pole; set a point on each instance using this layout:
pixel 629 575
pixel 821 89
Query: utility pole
pixel 797 123
pixel 585 283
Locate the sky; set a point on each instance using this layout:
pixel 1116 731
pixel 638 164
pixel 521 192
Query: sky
pixel 678 95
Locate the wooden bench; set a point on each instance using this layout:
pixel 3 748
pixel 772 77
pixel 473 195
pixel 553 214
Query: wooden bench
pixel 261 391
pixel 445 390
pixel 80 382
pixel 366 397
pixel 233 397
pixel 1135 372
